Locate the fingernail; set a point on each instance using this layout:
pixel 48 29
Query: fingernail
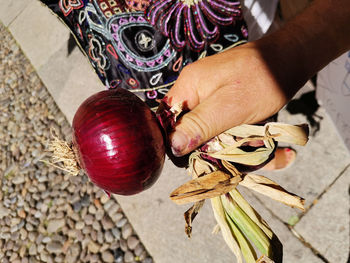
pixel 179 142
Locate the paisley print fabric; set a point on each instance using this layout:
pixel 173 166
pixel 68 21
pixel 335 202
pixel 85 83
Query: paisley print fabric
pixel 143 45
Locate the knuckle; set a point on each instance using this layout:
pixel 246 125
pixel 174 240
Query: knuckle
pixel 186 72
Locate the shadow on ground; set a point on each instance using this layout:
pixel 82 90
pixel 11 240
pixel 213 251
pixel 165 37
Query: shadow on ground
pixel 308 106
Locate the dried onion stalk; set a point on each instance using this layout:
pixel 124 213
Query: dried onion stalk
pixel 216 177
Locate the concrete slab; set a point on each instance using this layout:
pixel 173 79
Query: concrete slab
pixel 293 248
pixel 326 225
pixel 70 79
pixel 11 9
pixel 39 33
pixel 317 165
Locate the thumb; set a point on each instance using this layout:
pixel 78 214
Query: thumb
pixel 212 116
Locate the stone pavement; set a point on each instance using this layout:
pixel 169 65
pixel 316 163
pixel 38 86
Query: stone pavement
pixel 321 173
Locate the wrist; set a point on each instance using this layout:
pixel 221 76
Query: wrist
pixel 284 56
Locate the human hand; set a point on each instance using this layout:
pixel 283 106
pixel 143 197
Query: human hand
pixel 249 83
pixel 228 89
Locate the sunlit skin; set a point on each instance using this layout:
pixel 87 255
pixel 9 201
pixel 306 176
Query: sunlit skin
pixel 252 82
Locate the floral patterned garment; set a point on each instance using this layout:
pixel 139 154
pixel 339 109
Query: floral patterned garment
pixel 143 45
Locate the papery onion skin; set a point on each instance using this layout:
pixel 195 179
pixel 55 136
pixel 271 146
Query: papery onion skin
pixel 118 142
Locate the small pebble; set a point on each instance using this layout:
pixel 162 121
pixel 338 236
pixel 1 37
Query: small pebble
pixel 116 233
pixel 108 205
pixel 123 245
pixel 93 247
pixel 139 250
pixel 126 231
pixel 22 251
pixel 89 219
pixel 73 253
pixel 105 247
pixel 99 214
pixel 79 225
pixel 132 242
pixel 96 225
pixel 92 209
pixel 107 223
pixel 100 237
pixel 21 213
pixel 46 240
pixel 121 222
pixel 116 217
pixel 93 235
pixel 85 201
pixel 32 250
pixel 109 237
pixel 107 257
pixel 113 209
pixel 77 206
pixel 54 247
pixel 54 225
pixel 114 245
pixel 128 257
pixel 118 255
pixel 104 198
pixel 32 236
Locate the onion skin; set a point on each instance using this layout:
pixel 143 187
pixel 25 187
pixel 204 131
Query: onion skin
pixel 118 142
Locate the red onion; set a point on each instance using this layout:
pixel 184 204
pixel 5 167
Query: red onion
pixel 118 142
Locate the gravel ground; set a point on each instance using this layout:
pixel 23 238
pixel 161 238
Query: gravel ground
pixel 45 214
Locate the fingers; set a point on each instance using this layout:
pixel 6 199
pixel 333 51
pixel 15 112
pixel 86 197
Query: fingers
pixel 214 115
pixel 223 91
pixel 193 89
pixel 184 90
pixel 195 83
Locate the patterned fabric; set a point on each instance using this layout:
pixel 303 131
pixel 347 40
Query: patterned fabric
pixel 143 45
pixel 194 23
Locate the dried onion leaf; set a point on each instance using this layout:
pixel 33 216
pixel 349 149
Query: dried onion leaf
pixel 190 215
pixel 237 155
pixel 267 187
pixel 204 187
pixel 294 134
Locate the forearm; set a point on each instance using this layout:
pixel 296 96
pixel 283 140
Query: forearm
pixel 307 43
